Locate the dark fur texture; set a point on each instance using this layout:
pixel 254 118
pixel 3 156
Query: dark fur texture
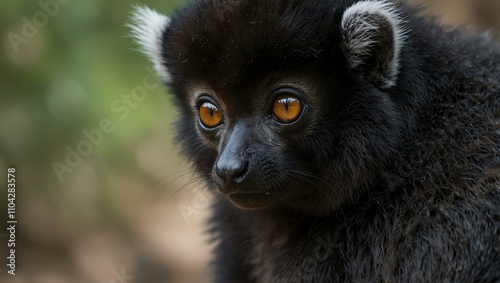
pixel 389 175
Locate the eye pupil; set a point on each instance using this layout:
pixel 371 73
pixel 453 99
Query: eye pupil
pixel 287 108
pixel 209 115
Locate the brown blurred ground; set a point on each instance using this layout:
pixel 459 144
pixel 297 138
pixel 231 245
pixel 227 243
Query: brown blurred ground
pixel 477 15
pixel 130 210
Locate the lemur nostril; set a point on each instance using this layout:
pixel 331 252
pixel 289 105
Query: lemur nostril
pixel 239 176
pixel 234 172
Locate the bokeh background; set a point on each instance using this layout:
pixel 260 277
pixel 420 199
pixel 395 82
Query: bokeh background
pixel 128 210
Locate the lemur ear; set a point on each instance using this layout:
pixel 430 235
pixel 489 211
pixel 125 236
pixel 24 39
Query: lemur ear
pixel 148 28
pixel 372 40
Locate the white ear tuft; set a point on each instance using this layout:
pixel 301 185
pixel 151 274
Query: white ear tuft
pixel 372 32
pixel 148 27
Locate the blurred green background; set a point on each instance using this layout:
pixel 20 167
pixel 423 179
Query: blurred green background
pixel 116 213
pixel 126 210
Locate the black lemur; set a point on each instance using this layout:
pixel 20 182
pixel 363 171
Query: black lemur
pixel 344 140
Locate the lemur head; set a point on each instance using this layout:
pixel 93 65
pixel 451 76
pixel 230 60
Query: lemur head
pixel 284 103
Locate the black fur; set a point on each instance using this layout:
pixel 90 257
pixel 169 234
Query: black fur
pixel 375 182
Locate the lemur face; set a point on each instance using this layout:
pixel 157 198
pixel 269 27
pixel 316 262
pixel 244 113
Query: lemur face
pixel 259 135
pixel 283 104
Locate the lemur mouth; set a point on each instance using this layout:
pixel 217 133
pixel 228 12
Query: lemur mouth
pixel 251 200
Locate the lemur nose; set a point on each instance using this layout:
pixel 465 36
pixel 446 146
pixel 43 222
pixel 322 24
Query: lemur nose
pixel 230 171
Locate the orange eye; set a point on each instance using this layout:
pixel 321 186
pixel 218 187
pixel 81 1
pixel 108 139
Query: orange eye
pixel 287 109
pixel 210 115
